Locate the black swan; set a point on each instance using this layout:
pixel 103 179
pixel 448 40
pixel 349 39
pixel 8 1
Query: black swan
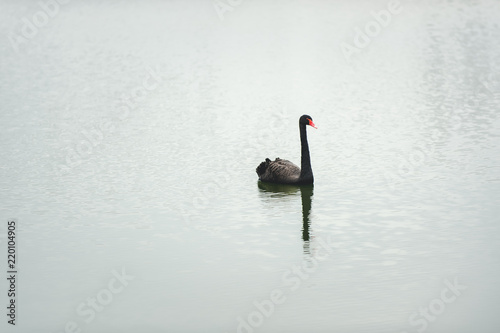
pixel 285 172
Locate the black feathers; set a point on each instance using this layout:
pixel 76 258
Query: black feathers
pixel 285 172
pixel 278 171
pixel 261 169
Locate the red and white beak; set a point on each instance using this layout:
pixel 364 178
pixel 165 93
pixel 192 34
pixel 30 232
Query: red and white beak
pixel 311 123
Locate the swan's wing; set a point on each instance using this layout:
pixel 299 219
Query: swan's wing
pixel 284 166
pixel 280 171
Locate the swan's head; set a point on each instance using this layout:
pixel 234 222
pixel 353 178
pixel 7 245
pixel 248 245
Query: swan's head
pixel 307 120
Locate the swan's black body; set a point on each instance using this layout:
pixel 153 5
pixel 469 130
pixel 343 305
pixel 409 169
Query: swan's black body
pixel 285 172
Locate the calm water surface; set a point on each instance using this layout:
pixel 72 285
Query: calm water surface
pixel 130 133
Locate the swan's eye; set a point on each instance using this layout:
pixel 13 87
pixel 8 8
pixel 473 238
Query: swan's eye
pixel 311 123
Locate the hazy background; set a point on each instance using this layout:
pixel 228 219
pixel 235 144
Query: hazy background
pixel 130 132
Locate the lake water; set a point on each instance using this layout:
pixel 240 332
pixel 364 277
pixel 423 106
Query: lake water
pixel 130 133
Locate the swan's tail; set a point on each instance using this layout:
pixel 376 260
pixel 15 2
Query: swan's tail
pixel 261 169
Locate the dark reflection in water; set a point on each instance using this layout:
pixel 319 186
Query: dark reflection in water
pixel 283 191
pixel 306 193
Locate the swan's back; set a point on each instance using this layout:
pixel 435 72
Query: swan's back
pixel 278 171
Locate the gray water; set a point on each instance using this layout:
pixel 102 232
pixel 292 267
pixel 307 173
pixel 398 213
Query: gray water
pixel 130 133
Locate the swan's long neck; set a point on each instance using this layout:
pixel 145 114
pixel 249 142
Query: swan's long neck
pixel 305 160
